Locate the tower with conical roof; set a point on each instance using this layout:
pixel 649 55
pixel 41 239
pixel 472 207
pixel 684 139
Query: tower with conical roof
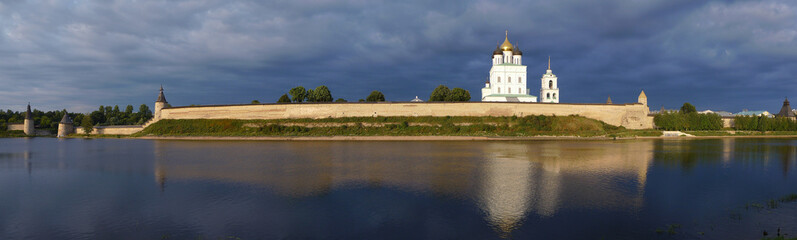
pixel 786 111
pixel 160 104
pixel 28 125
pixel 643 99
pixel 609 100
pixel 65 126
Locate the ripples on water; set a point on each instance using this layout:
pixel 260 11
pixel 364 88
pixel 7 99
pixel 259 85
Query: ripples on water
pixel 142 189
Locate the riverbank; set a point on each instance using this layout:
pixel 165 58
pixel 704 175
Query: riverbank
pixel 529 126
pixel 435 138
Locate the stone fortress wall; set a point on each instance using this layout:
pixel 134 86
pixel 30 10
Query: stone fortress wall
pixel 112 130
pixel 629 115
pixel 632 116
pixel 16 127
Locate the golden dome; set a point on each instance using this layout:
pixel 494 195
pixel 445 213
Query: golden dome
pixel 506 46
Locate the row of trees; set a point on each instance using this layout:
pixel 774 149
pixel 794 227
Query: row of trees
pixel 300 94
pixel 687 119
pixel 443 94
pixel 321 94
pixel 105 115
pixel 764 123
pixel 45 120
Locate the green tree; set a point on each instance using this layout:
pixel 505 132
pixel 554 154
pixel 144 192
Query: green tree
pixel 688 108
pixel 45 121
pixel 298 94
pixel 87 124
pixel 144 109
pixel 284 99
pixel 375 96
pixel 129 109
pixel 255 102
pixel 439 94
pixel 361 100
pixel 458 95
pixel 310 96
pixel 322 94
pixel 341 100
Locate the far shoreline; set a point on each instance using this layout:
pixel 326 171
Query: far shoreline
pixel 436 138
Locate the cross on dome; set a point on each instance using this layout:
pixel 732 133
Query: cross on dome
pixel 506 46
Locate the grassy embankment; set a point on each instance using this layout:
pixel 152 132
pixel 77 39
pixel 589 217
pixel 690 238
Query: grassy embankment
pixel 396 126
pixel 731 132
pixel 8 134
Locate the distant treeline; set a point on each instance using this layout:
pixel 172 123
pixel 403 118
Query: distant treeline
pixel 764 123
pixel 322 94
pixel 104 116
pixel 687 119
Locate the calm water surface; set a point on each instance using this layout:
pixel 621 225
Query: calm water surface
pixel 150 189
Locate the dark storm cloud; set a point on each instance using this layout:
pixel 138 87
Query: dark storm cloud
pixel 725 55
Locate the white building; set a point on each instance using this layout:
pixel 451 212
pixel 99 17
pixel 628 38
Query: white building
pixel 549 90
pixel 507 81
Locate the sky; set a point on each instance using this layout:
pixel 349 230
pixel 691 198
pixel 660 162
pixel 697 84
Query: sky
pixel 78 55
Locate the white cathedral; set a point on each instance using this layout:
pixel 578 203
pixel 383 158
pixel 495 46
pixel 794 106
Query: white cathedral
pixel 507 81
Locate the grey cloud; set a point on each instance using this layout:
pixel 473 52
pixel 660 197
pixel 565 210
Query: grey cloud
pixel 80 54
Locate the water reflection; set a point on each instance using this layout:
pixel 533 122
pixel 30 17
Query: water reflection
pixel 688 154
pixel 557 189
pixel 507 179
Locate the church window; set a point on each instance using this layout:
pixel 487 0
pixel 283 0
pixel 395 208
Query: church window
pixel 520 80
pixel 548 96
pixel 499 79
pixel 499 90
pixel 509 79
pixel 520 90
pixel 510 90
pixel 554 96
pixel 550 84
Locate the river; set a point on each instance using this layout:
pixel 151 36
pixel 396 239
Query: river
pixel 170 189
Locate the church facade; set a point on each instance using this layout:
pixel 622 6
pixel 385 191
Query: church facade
pixel 508 79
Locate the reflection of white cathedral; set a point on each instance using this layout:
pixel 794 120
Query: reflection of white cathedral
pixel 507 81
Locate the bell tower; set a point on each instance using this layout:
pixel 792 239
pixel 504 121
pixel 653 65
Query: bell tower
pixel 549 88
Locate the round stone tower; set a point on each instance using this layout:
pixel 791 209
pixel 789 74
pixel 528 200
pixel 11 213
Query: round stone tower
pixel 160 104
pixel 28 126
pixel 65 127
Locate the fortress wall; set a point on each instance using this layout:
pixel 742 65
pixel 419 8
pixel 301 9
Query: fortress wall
pixel 111 130
pixel 632 116
pixel 16 127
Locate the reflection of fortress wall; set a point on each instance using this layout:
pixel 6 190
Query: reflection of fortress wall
pixel 633 116
pixel 312 168
pixel 508 179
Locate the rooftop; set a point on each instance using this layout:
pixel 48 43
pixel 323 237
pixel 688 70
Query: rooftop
pixel 510 95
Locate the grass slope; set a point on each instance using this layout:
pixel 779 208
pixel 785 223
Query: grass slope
pixel 395 126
